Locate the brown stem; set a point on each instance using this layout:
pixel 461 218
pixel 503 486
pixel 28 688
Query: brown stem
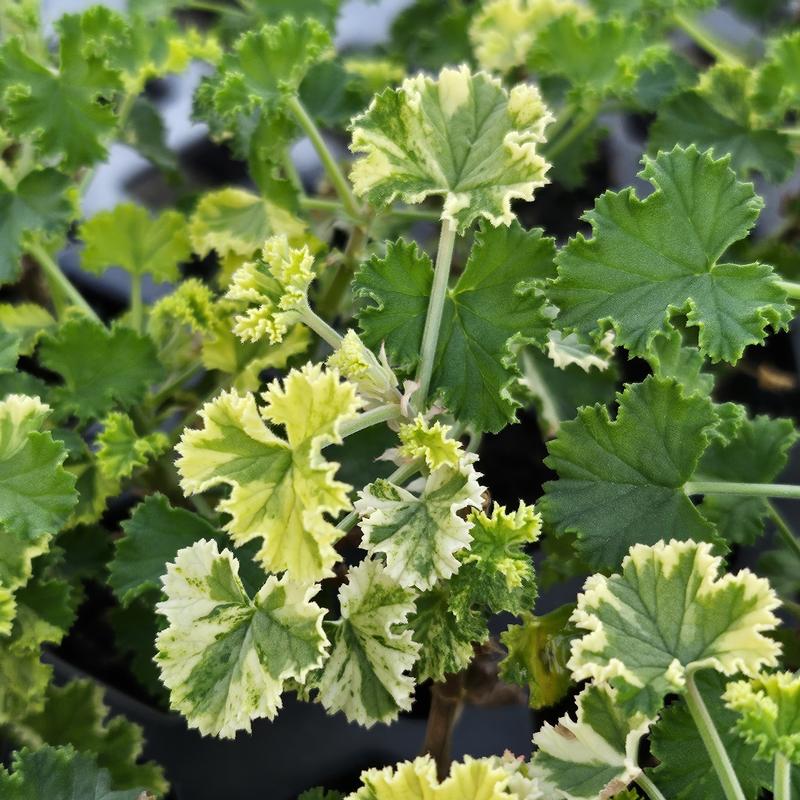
pixel 446 703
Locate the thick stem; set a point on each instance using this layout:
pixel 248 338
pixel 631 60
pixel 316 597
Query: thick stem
pixel 54 273
pixel 369 418
pixel 320 327
pixel 782 785
pixel 707 41
pixel 791 288
pixel 784 531
pixel 137 312
pixel 433 320
pixel 649 788
pixel 746 489
pixel 714 746
pixel 446 703
pixel 336 176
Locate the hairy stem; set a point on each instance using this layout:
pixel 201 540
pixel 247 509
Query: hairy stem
pixel 433 320
pixel 714 746
pixel 784 531
pixel 320 327
pixel 791 288
pixel 446 704
pixel 782 783
pixel 137 312
pixel 746 489
pixel 335 175
pixel 649 788
pixel 714 46
pixel 59 279
pixel 369 418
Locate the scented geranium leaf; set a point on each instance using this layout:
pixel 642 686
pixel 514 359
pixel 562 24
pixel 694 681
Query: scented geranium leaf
pixel 668 613
pixel 278 286
pixel 129 237
pixel 376 382
pixel 538 651
pixel 226 657
pixel 460 136
pixel 621 481
pixel 38 203
pixel 495 570
pixel 564 351
pixel 445 640
pixel 502 31
pixel 431 442
pixel 768 710
pixel 66 110
pixel 420 536
pixel 756 454
pixel 777 88
pixel 121 450
pixel 74 714
pixel 366 676
pixel 281 489
pixel 651 259
pixel 100 367
pixel 685 771
pixel 491 311
pixel 236 222
pixel 595 755
pixel 153 536
pixel 26 322
pixel 472 779
pixel 60 773
pixel 718 115
pixel 670 358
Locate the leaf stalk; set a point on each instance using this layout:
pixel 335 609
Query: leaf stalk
pixel 784 490
pixel 791 288
pixel 782 783
pixel 649 788
pixel 369 418
pixel 721 51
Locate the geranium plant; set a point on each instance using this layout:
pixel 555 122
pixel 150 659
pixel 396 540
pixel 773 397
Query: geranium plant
pixel 272 479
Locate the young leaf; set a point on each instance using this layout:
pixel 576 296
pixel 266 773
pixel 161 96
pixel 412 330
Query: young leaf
pixel 100 367
pixel 38 203
pixel 668 614
pixel 596 755
pixel 60 773
pixel 635 465
pixel 366 675
pixel 121 450
pixel 777 89
pixel 492 310
pixel 461 136
pixel 130 238
pixel 651 259
pixel 225 657
pixel 377 383
pixel 768 709
pixel 420 439
pixel 282 489
pixel 420 535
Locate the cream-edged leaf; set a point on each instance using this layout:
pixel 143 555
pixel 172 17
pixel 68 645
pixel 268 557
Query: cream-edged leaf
pixel 461 136
pixel 226 657
pixel 367 675
pixel 431 442
pixel 669 613
pixel 281 489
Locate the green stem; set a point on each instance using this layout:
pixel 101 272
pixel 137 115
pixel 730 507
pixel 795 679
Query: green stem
pixel 433 319
pixel 582 121
pixel 336 176
pixel 217 8
pixel 714 746
pixel 782 785
pixel 169 388
pixel 746 489
pixel 335 207
pixel 369 418
pixel 784 531
pixel 791 288
pixel 649 788
pixel 319 204
pixel 293 175
pixel 137 312
pixel 564 116
pixel 54 273
pixel 721 51
pixel 320 327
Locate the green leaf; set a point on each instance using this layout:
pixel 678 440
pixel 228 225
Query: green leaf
pixel 669 613
pixel 281 489
pixel 460 136
pixel 652 259
pixel 491 311
pixel 146 133
pixel 718 115
pixel 669 358
pixel 420 536
pixel 226 657
pixel 59 773
pixel 121 450
pixel 768 710
pixel 595 755
pixel 621 481
pixel 75 715
pixel 38 204
pixel 538 651
pixel 153 536
pixel 25 323
pixel 777 89
pixel 685 771
pixel 66 111
pixel 318 793
pixel 366 675
pixel 101 368
pixel 129 237
pixel 757 453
